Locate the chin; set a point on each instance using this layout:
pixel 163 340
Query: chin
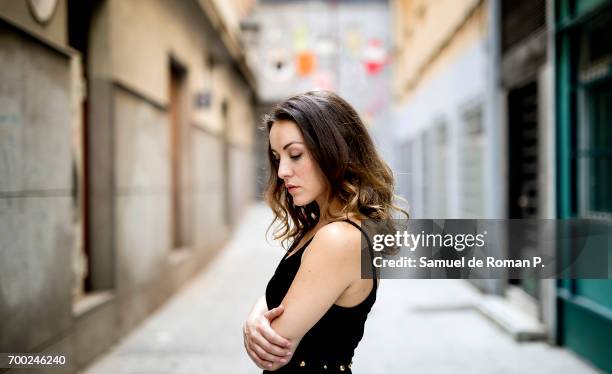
pixel 298 201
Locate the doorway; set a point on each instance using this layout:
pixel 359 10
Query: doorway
pixel 178 234
pixel 523 197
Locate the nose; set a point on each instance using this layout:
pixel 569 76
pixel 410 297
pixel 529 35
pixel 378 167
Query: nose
pixel 284 169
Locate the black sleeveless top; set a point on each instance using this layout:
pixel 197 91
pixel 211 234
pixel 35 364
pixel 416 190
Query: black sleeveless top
pixel 329 345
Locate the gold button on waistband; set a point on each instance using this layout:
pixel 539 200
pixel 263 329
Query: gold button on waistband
pixel 324 365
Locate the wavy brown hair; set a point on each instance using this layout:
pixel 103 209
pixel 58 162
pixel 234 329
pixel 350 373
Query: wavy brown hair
pixel 340 144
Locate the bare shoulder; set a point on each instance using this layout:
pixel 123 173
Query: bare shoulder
pixel 337 240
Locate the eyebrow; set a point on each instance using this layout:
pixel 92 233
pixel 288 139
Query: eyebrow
pixel 288 144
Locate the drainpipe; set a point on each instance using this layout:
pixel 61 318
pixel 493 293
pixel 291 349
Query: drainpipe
pixel 494 191
pixel 494 196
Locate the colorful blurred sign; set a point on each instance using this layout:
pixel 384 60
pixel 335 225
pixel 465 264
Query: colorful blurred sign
pixel 278 64
pixel 325 46
pixel 300 38
pixel 353 41
pixel 374 56
pixel 305 63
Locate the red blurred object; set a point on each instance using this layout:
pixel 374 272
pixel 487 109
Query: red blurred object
pixel 374 56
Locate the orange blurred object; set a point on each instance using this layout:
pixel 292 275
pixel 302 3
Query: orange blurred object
pixel 305 63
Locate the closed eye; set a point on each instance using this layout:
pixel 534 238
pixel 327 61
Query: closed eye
pixel 296 157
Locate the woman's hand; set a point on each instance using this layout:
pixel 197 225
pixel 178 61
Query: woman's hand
pixel 265 347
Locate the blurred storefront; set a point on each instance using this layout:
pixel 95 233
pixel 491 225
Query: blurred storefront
pixel 525 85
pixel 584 144
pixel 126 148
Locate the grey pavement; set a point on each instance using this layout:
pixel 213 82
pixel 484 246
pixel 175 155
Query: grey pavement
pixel 416 326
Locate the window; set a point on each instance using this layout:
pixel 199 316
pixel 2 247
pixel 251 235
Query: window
pixel 427 182
pixel 435 195
pixel 594 153
pixel 406 177
pixel 472 165
pixel 440 170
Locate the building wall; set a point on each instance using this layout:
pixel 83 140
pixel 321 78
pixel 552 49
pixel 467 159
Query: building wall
pixel 36 203
pixel 19 13
pixel 423 33
pixel 142 145
pixel 452 86
pixel 232 12
pixel 444 112
pixel 134 265
pixel 446 76
pixel 181 41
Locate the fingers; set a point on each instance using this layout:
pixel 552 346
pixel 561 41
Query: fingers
pixel 268 333
pixel 274 312
pixel 262 348
pixel 273 339
pixel 270 348
pixel 265 356
pixel 262 364
pixel 265 347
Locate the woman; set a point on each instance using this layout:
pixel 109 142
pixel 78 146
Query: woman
pixel 326 177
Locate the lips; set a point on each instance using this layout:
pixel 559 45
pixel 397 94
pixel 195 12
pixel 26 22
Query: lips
pixel 292 188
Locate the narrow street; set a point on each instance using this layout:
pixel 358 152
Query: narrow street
pixel 136 141
pixel 416 326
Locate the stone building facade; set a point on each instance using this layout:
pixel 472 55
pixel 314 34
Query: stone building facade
pixel 126 157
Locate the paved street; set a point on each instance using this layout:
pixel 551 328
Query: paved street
pixel 416 326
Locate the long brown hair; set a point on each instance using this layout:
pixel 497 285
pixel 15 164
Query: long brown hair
pixel 343 149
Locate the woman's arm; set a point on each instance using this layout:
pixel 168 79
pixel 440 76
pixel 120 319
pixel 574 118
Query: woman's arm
pixel 263 345
pixel 329 266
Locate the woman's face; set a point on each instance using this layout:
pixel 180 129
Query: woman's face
pixel 296 167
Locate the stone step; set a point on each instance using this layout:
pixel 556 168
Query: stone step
pixel 510 318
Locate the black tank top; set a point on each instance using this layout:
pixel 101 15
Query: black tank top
pixel 329 345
